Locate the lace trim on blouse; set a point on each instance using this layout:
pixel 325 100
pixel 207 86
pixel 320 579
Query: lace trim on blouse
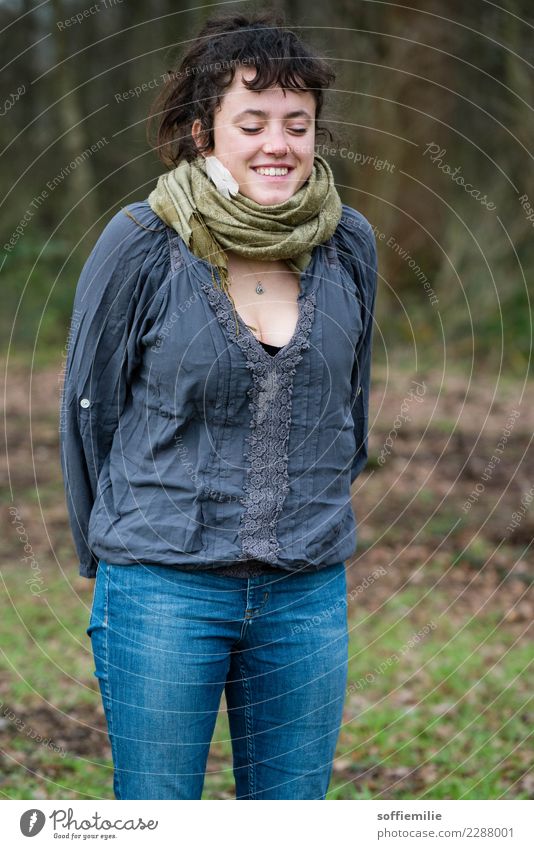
pixel 267 481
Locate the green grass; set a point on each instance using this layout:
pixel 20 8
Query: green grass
pixel 453 707
pixel 448 718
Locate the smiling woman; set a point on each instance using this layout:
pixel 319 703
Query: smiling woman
pixel 225 46
pixel 268 147
pixel 269 152
pixel 258 137
pixel 215 414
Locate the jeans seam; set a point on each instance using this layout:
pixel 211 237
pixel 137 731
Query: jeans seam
pixel 107 688
pixel 251 773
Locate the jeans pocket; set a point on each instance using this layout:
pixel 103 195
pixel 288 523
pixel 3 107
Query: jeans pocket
pixel 97 629
pixel 98 615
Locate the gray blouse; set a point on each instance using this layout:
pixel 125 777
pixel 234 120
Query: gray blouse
pixel 186 444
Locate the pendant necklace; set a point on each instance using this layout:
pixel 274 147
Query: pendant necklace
pixel 259 286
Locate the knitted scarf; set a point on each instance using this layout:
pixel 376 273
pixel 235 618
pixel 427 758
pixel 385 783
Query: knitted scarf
pixel 210 223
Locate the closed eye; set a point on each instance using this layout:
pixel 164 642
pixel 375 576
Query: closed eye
pixel 298 130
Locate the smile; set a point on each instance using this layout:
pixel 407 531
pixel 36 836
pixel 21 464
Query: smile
pixel 272 172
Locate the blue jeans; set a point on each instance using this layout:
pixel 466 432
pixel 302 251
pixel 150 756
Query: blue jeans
pixel 166 643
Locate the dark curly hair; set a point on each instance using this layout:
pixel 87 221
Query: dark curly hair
pixel 196 88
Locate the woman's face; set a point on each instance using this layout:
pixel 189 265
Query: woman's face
pixel 264 129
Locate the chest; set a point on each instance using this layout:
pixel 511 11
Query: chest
pixel 267 301
pixel 193 359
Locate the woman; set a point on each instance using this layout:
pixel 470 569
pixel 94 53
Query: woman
pixel 214 417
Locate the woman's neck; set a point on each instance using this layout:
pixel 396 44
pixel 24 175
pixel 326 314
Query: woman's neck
pixel 254 266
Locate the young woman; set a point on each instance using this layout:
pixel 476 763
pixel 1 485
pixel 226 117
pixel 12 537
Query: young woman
pixel 214 416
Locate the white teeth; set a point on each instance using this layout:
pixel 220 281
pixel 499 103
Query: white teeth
pixel 272 172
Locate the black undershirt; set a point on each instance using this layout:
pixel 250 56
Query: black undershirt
pixel 271 349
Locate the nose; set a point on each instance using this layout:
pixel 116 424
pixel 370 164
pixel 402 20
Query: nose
pixel 276 143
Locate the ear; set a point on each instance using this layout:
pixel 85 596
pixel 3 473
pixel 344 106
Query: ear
pixel 198 133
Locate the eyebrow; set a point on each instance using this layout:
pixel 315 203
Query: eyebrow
pixel 296 113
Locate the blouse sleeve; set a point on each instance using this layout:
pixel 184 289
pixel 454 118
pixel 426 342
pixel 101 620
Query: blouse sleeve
pixel 110 304
pixel 356 245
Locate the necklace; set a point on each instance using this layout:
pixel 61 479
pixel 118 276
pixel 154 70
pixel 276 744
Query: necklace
pixel 259 285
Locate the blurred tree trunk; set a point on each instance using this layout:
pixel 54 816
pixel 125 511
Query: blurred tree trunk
pixel 78 192
pixel 518 107
pixel 25 73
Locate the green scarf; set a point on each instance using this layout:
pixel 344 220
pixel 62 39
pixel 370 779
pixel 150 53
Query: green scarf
pixel 189 202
